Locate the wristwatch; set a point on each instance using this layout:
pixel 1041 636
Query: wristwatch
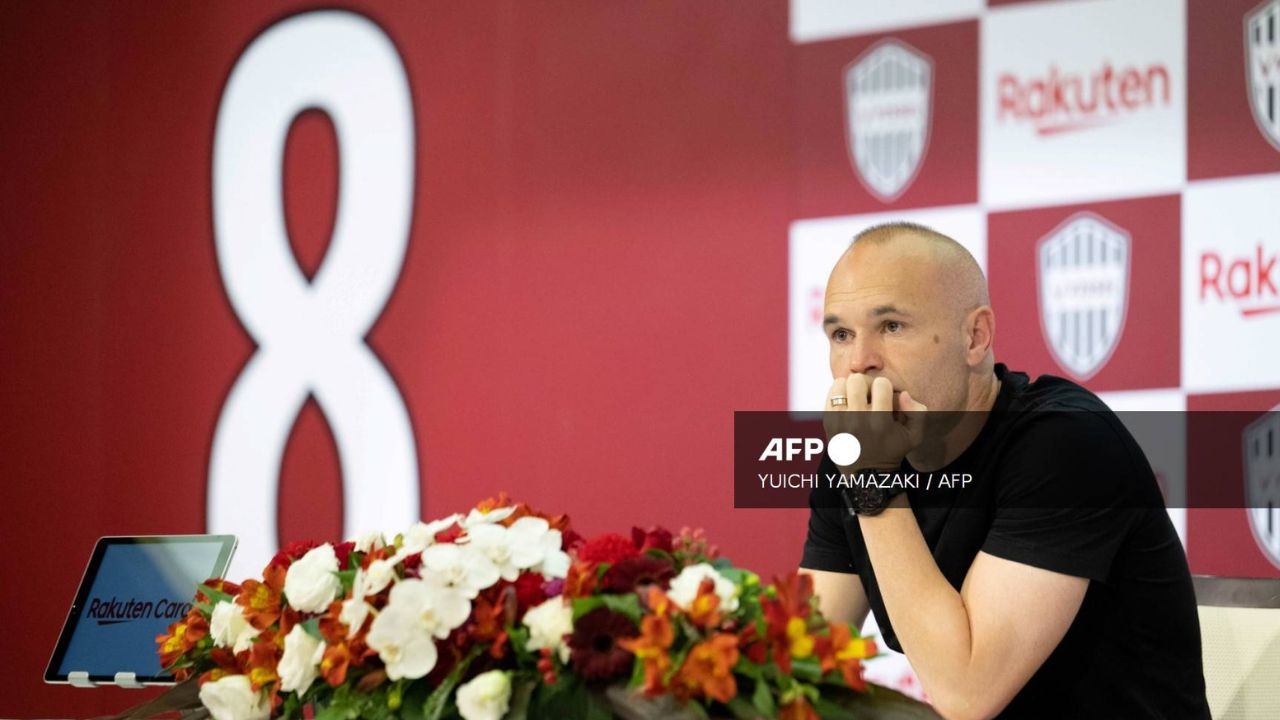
pixel 869 499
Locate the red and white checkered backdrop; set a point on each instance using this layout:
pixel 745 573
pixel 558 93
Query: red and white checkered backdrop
pixel 291 273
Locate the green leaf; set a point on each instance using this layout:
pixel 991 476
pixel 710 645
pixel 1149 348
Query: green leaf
pixel 806 669
pixel 596 708
pixel 582 606
pixel 743 710
pixel 521 695
pixel 414 701
pixel 312 628
pixel 828 710
pixel 762 700
pixel 348 580
pixel 628 605
pixel 215 596
pixel 601 569
pixel 442 696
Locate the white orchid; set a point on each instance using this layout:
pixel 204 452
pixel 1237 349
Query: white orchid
pixel 405 647
pixel 300 664
pixel 486 517
pixel 417 611
pixel 684 588
pixel 423 535
pixel 370 541
pixel 379 575
pixel 461 567
pixel 355 609
pixel 311 582
pixel 512 549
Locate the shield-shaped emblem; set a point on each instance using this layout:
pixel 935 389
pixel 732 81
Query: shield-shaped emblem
pixel 1262 67
pixel 888 95
pixel 1083 280
pixel 1262 481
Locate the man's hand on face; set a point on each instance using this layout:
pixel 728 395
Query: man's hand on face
pixel 888 425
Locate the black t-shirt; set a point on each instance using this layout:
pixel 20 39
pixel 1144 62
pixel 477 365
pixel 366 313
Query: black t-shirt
pixel 1133 649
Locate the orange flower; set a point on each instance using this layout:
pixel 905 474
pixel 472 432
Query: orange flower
pixel 841 650
pixel 262 601
pixel 335 663
pixel 651 647
pixel 263 658
pixel 787 616
pixel 704 611
pixel 708 669
pixel 181 637
pixel 581 580
pixel 799 709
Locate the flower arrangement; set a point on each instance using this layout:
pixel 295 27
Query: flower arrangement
pixel 507 612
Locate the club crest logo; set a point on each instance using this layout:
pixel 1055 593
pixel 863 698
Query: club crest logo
pixel 1262 482
pixel 888 94
pixel 1262 67
pixel 1083 281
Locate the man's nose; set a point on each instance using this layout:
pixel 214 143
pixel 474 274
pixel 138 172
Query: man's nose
pixel 865 356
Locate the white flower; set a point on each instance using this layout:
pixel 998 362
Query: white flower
pixel 229 628
pixel 380 574
pixel 461 567
pixel 486 697
pixel 480 517
pixel 355 609
pixel 512 549
pixel 684 588
pixel 555 562
pixel 423 535
pixel 403 632
pixel 548 623
pixel 406 648
pixel 232 698
pixel 311 582
pixel 370 541
pixel 300 663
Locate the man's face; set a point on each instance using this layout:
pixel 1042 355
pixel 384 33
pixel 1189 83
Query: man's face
pixel 887 314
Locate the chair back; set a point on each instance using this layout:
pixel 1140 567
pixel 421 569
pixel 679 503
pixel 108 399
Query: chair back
pixel 1240 635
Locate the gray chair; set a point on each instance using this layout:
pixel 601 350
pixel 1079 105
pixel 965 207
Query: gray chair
pixel 1240 633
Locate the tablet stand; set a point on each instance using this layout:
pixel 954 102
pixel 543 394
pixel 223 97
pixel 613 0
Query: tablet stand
pixel 80 678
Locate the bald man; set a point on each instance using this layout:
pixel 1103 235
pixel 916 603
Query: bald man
pixel 1009 601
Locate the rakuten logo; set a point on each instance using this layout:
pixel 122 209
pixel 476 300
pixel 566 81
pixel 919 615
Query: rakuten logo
pixel 1066 101
pixel 1248 281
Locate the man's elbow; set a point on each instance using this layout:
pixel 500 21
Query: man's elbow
pixel 974 703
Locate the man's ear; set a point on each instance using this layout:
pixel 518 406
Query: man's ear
pixel 980 329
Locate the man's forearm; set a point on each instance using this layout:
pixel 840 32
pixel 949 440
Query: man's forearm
pixel 928 614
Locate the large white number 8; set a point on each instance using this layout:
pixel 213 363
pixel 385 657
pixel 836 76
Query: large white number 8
pixel 311 336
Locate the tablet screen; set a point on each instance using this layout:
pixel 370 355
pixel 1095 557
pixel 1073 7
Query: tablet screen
pixel 132 590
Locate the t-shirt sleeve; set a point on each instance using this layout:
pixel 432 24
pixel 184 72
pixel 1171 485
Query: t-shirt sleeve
pixel 826 547
pixel 1065 496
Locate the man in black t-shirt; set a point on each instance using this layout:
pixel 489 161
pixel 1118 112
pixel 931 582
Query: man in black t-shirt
pixel 1010 601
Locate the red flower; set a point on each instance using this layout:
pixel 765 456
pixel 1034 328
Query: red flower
pixel 609 548
pixel 596 652
pixel 637 572
pixel 798 709
pixel 655 538
pixel 787 614
pixel 293 551
pixel 343 552
pixel 529 591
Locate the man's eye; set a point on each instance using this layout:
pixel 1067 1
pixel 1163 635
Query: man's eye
pixel 893 326
pixel 840 335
